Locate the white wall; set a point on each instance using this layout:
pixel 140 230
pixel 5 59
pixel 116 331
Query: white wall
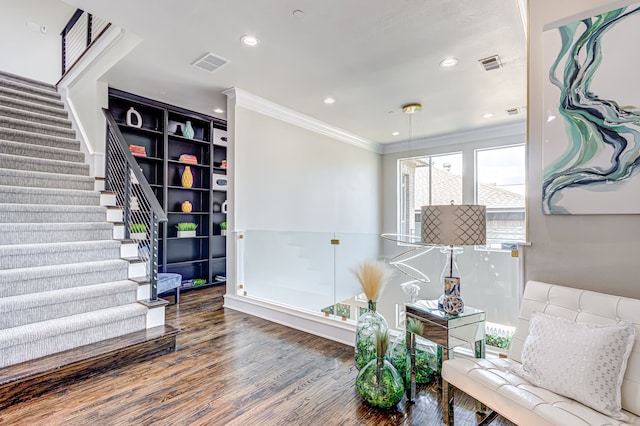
pixel 290 178
pixel 26 52
pixel 85 89
pixel 598 252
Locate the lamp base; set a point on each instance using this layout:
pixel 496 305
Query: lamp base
pixel 453 305
pixel 450 302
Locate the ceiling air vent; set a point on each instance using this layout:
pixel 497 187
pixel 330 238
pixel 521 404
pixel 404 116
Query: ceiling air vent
pixel 491 63
pixel 210 62
pixel 513 111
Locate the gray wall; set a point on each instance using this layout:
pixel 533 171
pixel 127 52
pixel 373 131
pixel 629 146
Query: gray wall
pixel 598 252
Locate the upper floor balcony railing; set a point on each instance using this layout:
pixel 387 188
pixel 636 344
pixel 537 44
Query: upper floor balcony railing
pixel 82 30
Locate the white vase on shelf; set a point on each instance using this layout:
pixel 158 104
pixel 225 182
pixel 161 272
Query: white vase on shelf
pixel 131 114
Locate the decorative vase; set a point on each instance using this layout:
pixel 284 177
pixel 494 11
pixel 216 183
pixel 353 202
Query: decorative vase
pixel 188 130
pixel 368 324
pixel 450 278
pixel 186 207
pixel 187 177
pixel 380 384
pixel 131 114
pixel 426 360
pixel 224 206
pixel 179 130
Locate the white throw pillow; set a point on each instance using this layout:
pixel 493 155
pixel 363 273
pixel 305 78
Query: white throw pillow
pixel 581 361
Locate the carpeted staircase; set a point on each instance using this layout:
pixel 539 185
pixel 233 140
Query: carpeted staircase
pixel 63 283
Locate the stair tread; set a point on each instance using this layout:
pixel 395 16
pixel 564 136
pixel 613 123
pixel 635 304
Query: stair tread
pixel 52 208
pixel 50 297
pixel 61 163
pixel 23 105
pixel 36 124
pixel 44 148
pixel 50 191
pixel 18 227
pixel 34 116
pixel 65 246
pixel 65 325
pixel 27 80
pixel 63 269
pixel 45 175
pixel 7 91
pixel 41 136
pixel 29 88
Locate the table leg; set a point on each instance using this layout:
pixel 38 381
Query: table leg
pixel 481 409
pixel 447 403
pixel 411 352
pixel 480 349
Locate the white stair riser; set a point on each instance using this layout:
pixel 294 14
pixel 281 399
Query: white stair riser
pixel 128 250
pixel 155 316
pixel 118 232
pixel 114 215
pixel 138 269
pixel 143 291
pixel 108 199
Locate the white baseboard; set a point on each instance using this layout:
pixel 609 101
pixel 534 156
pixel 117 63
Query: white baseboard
pixel 315 324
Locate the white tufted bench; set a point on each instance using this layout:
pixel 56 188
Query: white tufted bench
pixel 491 382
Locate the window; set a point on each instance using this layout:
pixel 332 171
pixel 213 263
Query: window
pixel 425 181
pixel 500 185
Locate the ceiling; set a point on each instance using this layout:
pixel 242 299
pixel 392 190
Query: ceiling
pixel 372 56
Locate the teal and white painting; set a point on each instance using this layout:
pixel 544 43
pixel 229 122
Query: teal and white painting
pixel 591 151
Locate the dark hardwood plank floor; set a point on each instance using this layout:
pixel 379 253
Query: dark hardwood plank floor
pixel 231 369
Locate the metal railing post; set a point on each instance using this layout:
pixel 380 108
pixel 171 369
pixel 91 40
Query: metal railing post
pixel 153 258
pixel 89 28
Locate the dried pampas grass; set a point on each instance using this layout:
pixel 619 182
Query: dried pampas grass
pixel 373 276
pixel 382 342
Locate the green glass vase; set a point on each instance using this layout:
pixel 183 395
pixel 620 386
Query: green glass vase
pixel 426 360
pixel 380 384
pixel 368 324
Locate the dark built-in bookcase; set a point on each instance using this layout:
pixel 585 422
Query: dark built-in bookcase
pixel 202 256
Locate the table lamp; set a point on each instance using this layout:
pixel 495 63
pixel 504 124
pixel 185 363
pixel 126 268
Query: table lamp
pixel 453 225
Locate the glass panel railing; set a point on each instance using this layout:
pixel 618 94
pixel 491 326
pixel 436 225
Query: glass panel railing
pixel 305 271
pixel 352 251
pixel 289 268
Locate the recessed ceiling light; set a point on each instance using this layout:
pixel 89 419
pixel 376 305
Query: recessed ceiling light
pixel 329 100
pixel 449 62
pixel 250 40
pixel 487 115
pixel 218 110
pixel 395 133
pixel 298 14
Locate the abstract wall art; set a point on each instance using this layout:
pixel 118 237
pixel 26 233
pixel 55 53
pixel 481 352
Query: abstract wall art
pixel 591 150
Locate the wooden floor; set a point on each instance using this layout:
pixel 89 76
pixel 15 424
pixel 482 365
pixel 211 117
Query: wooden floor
pixel 230 369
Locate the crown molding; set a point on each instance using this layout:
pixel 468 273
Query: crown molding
pixel 264 106
pixel 516 130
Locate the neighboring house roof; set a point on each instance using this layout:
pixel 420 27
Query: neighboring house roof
pixel 447 186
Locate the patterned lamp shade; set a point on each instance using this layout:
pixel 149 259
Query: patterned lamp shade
pixel 464 225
